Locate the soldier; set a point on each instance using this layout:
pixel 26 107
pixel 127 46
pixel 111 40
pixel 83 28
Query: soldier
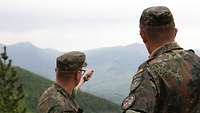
pixel 169 81
pixel 69 74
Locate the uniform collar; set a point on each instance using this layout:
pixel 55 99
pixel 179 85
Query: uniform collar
pixel 164 48
pixel 73 104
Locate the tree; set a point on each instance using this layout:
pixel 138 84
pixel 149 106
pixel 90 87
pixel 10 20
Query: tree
pixel 11 90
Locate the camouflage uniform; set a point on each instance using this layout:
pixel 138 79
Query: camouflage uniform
pixel 55 99
pixel 168 82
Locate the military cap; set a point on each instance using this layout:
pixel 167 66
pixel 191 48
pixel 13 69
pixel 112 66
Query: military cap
pixel 156 16
pixel 71 61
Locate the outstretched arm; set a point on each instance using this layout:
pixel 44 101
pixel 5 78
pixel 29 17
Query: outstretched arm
pixel 85 78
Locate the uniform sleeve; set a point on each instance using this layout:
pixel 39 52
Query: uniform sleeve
pixel 142 96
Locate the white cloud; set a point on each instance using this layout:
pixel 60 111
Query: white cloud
pixel 86 24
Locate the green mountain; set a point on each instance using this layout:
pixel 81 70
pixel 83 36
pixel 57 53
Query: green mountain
pixel 114 66
pixel 34 85
pixel 110 64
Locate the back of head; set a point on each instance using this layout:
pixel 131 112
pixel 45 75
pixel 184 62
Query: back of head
pixel 156 21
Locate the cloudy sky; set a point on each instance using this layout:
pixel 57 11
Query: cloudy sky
pixel 87 24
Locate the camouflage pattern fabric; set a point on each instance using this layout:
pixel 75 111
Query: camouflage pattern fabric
pixel 156 16
pixel 56 100
pixel 168 82
pixel 71 61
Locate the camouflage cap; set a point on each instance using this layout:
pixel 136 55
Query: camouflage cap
pixel 156 16
pixel 71 61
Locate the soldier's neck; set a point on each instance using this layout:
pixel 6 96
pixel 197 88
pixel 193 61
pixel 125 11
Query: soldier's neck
pixel 155 45
pixel 67 86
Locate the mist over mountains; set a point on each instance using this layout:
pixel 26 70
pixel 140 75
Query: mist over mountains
pixel 37 60
pixel 114 66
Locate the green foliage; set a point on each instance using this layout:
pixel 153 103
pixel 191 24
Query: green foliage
pixel 11 90
pixel 93 104
pixel 34 85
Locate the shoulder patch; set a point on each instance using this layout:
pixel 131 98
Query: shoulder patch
pixel 128 102
pixel 135 83
pixel 137 79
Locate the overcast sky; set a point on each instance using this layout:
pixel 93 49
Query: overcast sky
pixel 87 24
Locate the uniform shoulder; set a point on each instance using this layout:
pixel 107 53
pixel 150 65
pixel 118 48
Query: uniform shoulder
pixel 171 55
pixel 170 61
pixel 53 99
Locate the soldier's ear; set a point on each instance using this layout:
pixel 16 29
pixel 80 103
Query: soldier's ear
pixel 76 76
pixel 143 35
pixel 175 30
pixel 173 33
